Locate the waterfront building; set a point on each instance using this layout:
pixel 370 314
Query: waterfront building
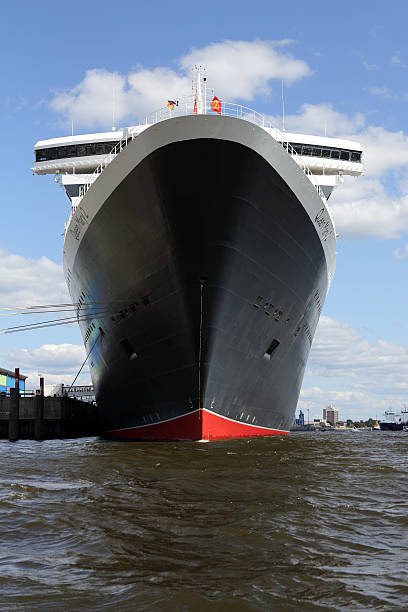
pixel 8 381
pixel 85 393
pixel 330 415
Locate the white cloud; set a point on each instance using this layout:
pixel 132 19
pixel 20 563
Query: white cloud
pixel 369 66
pixel 236 69
pixel 362 208
pixel 381 91
pixel 340 350
pixel 150 89
pixel 376 204
pixel 96 91
pixel 383 150
pixel 64 358
pixel 359 377
pixel 242 70
pixel 401 253
pixel 351 404
pixel 396 60
pixel 103 98
pixel 367 207
pixel 27 281
pixel 58 363
pixel 321 118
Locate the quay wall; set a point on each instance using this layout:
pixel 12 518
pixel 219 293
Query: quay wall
pixel 44 418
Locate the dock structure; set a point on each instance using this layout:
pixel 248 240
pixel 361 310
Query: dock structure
pixel 43 418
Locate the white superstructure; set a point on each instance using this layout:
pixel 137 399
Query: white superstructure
pixel 80 159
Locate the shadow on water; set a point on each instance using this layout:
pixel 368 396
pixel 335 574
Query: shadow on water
pixel 309 521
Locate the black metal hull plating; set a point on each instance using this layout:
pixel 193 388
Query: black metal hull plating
pixel 217 211
pixel 391 426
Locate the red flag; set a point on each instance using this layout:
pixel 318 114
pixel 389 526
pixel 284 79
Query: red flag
pixel 195 105
pixel 216 105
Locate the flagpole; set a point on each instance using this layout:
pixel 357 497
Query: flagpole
pixel 283 109
pixel 113 104
pixel 199 98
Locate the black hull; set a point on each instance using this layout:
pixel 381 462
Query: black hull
pixel 213 275
pixel 391 426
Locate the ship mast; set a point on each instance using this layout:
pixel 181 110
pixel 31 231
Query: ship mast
pixel 199 96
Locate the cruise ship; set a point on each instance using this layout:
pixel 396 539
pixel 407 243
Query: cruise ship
pixel 198 252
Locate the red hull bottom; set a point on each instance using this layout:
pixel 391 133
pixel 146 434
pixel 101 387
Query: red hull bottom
pixel 197 425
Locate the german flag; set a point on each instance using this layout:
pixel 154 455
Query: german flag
pixel 171 104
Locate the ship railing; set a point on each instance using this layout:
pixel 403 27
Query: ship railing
pixel 187 106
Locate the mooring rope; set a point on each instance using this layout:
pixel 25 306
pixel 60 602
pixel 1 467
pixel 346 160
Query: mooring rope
pixel 101 333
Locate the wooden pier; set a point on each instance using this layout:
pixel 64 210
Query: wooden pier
pixel 43 418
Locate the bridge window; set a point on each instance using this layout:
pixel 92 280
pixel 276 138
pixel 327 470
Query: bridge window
pixel 325 152
pixel 72 190
pixel 80 150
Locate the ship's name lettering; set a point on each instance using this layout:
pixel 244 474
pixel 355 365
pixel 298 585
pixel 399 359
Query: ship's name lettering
pixel 81 220
pixel 75 231
pixel 268 307
pixel 132 308
pixel 323 223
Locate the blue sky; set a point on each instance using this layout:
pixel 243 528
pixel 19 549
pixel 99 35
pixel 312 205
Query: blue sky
pixel 345 66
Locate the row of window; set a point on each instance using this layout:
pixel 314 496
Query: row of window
pixel 80 150
pixel 103 148
pixel 328 153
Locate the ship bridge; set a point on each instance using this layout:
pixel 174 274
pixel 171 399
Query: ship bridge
pixel 79 160
pixel 326 160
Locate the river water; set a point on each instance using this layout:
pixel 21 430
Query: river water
pixel 312 521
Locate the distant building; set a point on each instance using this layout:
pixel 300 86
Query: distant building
pixel 8 381
pixel 301 419
pixel 330 415
pixel 85 393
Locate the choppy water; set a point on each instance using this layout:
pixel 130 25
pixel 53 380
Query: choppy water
pixel 308 522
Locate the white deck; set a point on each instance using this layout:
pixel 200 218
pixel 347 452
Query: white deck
pixel 324 172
